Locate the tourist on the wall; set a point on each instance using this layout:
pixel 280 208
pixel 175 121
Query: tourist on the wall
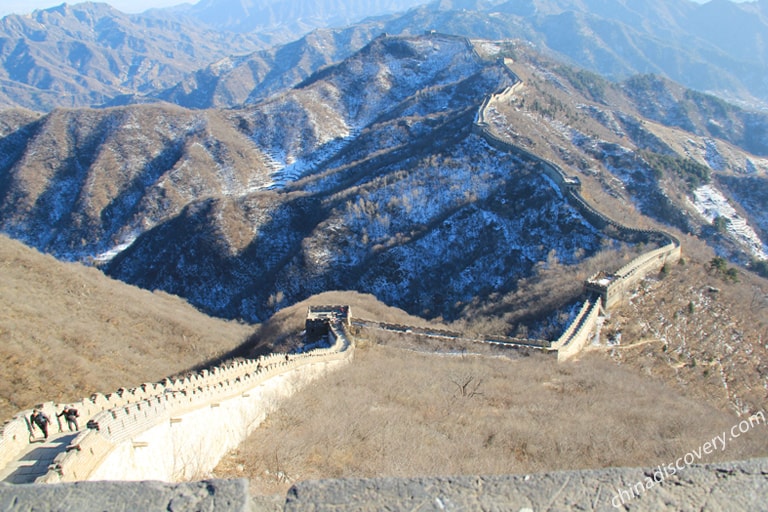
pixel 40 419
pixel 70 414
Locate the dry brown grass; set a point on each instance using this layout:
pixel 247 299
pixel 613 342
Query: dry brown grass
pixel 399 412
pixel 698 332
pixel 68 331
pixel 401 408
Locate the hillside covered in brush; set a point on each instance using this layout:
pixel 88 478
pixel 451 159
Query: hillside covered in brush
pixel 371 175
pixel 367 176
pixel 68 331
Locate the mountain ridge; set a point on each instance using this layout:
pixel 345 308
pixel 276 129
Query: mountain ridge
pixel 369 177
pixel 167 54
pixel 366 170
pixel 628 39
pixel 84 55
pixel 295 188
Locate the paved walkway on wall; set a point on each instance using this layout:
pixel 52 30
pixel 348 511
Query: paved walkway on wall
pixel 34 461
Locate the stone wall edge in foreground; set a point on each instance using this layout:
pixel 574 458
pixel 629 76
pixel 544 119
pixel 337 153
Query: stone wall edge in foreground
pixel 740 485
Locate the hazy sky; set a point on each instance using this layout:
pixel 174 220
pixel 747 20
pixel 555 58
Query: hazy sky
pixel 27 6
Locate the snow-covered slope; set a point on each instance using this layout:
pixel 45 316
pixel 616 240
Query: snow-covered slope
pixel 713 205
pixel 367 176
pixel 397 198
pixel 85 182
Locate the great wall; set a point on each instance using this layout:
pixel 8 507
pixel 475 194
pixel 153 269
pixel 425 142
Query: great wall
pixel 604 290
pixel 178 429
pixel 173 430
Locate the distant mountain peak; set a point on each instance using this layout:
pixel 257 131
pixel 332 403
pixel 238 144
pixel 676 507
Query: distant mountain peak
pixel 250 15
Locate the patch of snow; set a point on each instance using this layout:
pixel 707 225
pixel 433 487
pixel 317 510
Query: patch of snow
pixel 107 256
pixel 710 203
pixel 714 159
pixel 490 47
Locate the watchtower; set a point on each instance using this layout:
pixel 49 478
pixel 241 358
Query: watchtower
pixel 320 318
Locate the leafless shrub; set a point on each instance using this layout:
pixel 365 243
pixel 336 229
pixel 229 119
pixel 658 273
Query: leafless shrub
pixel 467 386
pixel 697 332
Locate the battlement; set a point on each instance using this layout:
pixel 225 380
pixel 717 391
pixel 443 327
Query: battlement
pixel 155 430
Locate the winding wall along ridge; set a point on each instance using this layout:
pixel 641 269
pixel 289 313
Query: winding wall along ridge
pixel 115 429
pixel 504 341
pixel 15 434
pixel 609 287
pixel 120 417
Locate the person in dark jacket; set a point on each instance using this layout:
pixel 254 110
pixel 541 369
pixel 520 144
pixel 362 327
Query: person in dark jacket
pixel 40 419
pixel 70 414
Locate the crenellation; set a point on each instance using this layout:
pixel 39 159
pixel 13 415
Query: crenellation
pixel 568 333
pixel 137 411
pixel 575 343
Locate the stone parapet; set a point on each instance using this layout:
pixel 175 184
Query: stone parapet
pixel 568 333
pixel 119 417
pixel 586 326
pixel 116 426
pixel 206 495
pixel 739 485
pixel 725 486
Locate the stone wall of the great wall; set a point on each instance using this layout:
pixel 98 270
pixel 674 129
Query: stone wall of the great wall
pixel 184 432
pixel 179 428
pixel 577 334
pixel 188 445
pixel 609 287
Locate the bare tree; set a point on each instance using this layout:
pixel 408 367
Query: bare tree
pixel 467 386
